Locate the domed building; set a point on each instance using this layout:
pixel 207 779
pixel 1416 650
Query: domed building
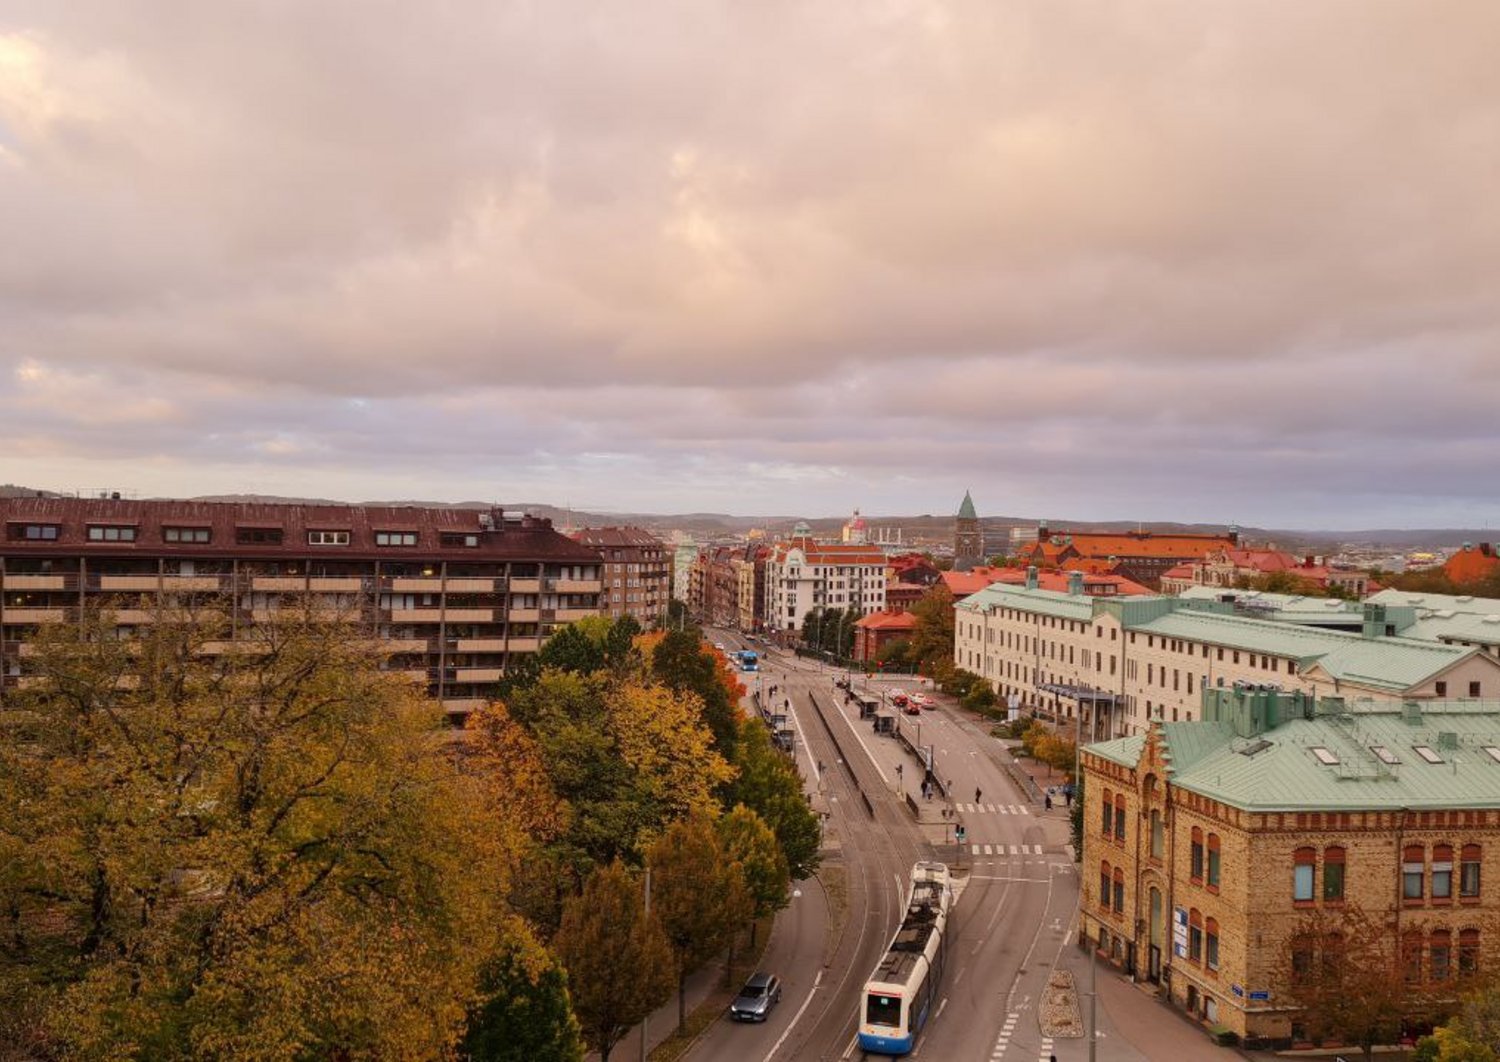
pixel 856 531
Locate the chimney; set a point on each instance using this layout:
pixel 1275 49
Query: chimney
pixel 1031 577
pixel 1075 583
pixel 1308 561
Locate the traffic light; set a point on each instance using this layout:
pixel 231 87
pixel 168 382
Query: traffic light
pixel 960 833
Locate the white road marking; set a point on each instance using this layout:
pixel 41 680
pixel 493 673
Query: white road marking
pixel 797 1016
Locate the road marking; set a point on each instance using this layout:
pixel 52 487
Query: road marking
pixel 797 1016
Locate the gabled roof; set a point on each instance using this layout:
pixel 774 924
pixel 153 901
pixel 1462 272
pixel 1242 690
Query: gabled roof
pixel 888 621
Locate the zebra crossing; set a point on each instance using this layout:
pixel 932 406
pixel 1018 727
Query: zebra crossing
pixel 1002 1041
pixel 993 809
pixel 1000 849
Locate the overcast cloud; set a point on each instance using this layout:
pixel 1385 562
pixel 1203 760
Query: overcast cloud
pixel 1198 260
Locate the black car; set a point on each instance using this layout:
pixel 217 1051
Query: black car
pixel 761 993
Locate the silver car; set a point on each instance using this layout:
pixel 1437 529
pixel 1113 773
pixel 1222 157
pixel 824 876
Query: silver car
pixel 761 993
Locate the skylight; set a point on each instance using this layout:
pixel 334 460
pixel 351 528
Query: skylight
pixel 1325 756
pixel 1426 752
pixel 1494 752
pixel 1257 746
pixel 1385 755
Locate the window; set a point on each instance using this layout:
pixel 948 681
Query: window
pixel 196 535
pixel 1108 823
pixel 1104 884
pixel 1442 872
pixel 1412 858
pixel 1468 873
pixel 1411 956
pixel 1333 875
pixel 1213 861
pixel 456 540
pixel 33 532
pixel 1119 890
pixel 1156 834
pixel 1474 688
pixel 1304 869
pixel 1211 943
pixel 1302 959
pixel 1195 935
pixel 112 533
pixel 1427 754
pixel 1120 817
pixel 1195 863
pixel 1468 952
pixel 395 538
pixel 258 536
pixel 1441 688
pixel 1440 955
pixel 328 538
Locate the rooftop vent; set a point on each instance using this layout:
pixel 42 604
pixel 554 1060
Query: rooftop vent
pixel 1256 746
pixel 1411 713
pixel 1447 739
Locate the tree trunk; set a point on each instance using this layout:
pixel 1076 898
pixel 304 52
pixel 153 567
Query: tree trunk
pixel 681 1001
pixel 729 966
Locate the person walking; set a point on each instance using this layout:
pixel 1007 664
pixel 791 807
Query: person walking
pixel 978 796
pixel 1049 800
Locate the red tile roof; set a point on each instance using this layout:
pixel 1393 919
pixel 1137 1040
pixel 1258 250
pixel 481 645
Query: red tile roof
pixel 888 621
pixel 1472 564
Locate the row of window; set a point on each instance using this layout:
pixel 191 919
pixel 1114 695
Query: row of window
pixel 1426 956
pixel 1203 939
pixel 1420 880
pixel 244 536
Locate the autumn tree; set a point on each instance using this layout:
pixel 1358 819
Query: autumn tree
pixel 932 636
pixel 812 628
pixel 769 785
pixel 618 959
pixel 748 841
pixel 685 663
pixel 524 1012
pixel 1351 981
pixel 699 895
pixel 255 847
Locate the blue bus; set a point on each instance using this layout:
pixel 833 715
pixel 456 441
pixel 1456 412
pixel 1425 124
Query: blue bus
pixel 749 660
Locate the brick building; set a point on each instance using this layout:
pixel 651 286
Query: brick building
pixel 637 572
pixel 456 595
pixel 1207 844
pixel 877 630
pixel 1144 556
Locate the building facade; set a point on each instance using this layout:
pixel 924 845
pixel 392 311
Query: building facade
pixel 878 630
pixel 1114 665
pixel 1144 556
pixel 637 572
pixel 456 595
pixel 802 574
pixel 1209 848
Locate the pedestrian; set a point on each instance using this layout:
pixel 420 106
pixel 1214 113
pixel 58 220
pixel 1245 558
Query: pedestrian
pixel 1049 800
pixel 978 796
pixel 1068 794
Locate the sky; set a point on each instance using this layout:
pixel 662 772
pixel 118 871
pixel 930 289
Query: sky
pixel 1198 260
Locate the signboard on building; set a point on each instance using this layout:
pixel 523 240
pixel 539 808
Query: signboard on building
pixel 1179 932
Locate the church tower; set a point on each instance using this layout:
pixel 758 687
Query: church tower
pixel 968 540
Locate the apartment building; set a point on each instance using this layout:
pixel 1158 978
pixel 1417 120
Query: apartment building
pixel 1113 665
pixel 1237 567
pixel 1144 556
pixel 803 574
pixel 637 572
pixel 456 595
pixel 1208 844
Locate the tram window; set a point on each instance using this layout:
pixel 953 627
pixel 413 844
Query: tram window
pixel 883 1010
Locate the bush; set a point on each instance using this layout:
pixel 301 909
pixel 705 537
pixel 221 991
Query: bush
pixel 1223 1035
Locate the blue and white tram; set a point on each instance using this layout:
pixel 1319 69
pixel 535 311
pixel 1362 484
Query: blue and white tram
pixel 901 993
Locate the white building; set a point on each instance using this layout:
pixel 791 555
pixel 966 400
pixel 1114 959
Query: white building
pixel 802 575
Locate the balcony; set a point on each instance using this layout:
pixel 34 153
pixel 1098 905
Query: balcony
pixel 463 705
pixel 524 615
pixel 529 644
pixel 136 583
pixel 342 585
pixel 526 586
pixel 419 675
pixel 468 585
pixel 476 674
pixel 577 586
pixel 568 615
pixel 470 615
pixel 32 582
pixel 416 615
pixel 133 617
pixel 191 584
pixel 480 645
pixel 35 615
pixel 417 586
pixel 279 583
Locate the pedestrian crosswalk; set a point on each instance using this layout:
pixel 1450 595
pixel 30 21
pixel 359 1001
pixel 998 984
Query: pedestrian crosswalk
pixel 993 809
pixel 1005 849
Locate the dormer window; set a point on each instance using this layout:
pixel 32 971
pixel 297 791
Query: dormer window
pixel 32 532
pixel 328 538
pixel 111 533
pixel 395 538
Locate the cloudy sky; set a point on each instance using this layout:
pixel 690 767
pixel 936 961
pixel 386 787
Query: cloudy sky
pixel 1220 261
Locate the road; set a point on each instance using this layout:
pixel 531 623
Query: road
pixel 1017 886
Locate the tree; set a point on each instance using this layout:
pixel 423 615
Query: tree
pixel 812 628
pixel 1349 979
pixel 1075 818
pixel 770 786
pixel 748 841
pixel 524 1013
pixel 687 664
pixel 618 959
pixel 572 648
pixel 246 848
pixel 932 637
pixel 1472 1034
pixel 699 895
pixel 662 739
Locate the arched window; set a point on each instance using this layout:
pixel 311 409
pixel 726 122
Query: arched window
pixel 1213 862
pixel 1442 873
pixel 1440 955
pixel 1333 874
pixel 1468 874
pixel 1195 935
pixel 1104 883
pixel 1195 868
pixel 1333 956
pixel 1211 943
pixel 1156 834
pixel 1120 817
pixel 1412 858
pixel 1411 956
pixel 1302 959
pixel 1304 870
pixel 1119 891
pixel 1468 952
pixel 1107 825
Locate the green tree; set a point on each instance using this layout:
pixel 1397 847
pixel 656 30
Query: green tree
pixel 248 848
pixel 812 628
pixel 619 644
pixel 699 895
pixel 618 959
pixel 932 637
pixel 574 648
pixel 687 664
pixel 770 786
pixel 523 1013
pixel 1075 819
pixel 748 841
pixel 1472 1034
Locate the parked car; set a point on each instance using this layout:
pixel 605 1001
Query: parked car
pixel 912 708
pixel 756 1000
pixel 921 700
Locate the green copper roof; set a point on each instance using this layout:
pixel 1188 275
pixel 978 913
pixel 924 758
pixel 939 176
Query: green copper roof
pixel 1043 602
pixel 966 510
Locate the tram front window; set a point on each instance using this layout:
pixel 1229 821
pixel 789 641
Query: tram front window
pixel 883 1010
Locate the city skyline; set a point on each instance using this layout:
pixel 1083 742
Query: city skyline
pixel 1210 263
